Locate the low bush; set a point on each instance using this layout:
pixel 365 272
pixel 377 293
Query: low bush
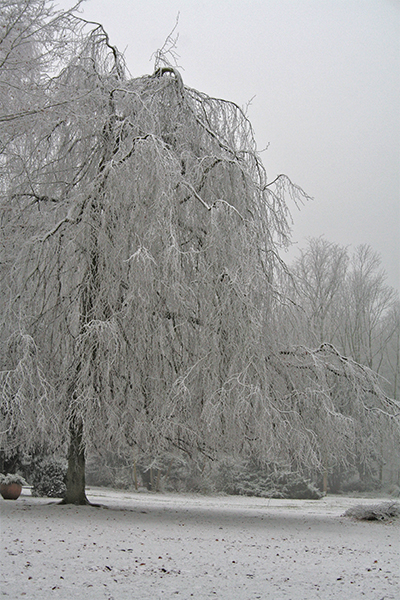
pixel 48 477
pixel 374 512
pixel 250 479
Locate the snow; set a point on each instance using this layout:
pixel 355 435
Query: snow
pixel 149 547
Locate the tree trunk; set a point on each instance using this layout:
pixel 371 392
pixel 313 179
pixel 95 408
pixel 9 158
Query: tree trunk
pixel 75 478
pixel 325 481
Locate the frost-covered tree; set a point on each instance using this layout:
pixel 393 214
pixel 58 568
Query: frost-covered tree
pixel 140 239
pixel 366 301
pixel 319 273
pixel 342 298
pixel 390 332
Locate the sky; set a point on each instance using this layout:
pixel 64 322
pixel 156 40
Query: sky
pixel 323 81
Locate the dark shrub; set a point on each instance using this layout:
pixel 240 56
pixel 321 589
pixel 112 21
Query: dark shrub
pixel 48 477
pixel 248 478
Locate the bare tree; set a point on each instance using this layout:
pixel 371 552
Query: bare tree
pixel 342 298
pixel 367 298
pixel 320 272
pixel 140 241
pixel 389 363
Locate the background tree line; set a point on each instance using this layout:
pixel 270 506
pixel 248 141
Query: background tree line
pixel 345 301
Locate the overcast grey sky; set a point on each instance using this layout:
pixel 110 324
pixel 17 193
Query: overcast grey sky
pixel 325 77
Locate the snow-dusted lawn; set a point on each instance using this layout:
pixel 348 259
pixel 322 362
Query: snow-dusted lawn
pixel 150 547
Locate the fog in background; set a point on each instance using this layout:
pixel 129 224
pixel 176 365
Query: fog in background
pixel 323 77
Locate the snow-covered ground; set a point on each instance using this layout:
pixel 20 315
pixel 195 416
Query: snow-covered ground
pixel 151 547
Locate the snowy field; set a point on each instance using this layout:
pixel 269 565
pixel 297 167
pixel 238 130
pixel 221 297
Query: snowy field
pixel 151 547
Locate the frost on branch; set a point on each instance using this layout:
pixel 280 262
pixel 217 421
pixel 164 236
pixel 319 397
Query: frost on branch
pixel 28 410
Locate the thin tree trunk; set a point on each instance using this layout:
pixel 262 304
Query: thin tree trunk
pixel 75 478
pixel 158 480
pixel 325 481
pixel 135 480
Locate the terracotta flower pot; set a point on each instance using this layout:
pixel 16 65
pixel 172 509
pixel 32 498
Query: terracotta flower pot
pixel 10 491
